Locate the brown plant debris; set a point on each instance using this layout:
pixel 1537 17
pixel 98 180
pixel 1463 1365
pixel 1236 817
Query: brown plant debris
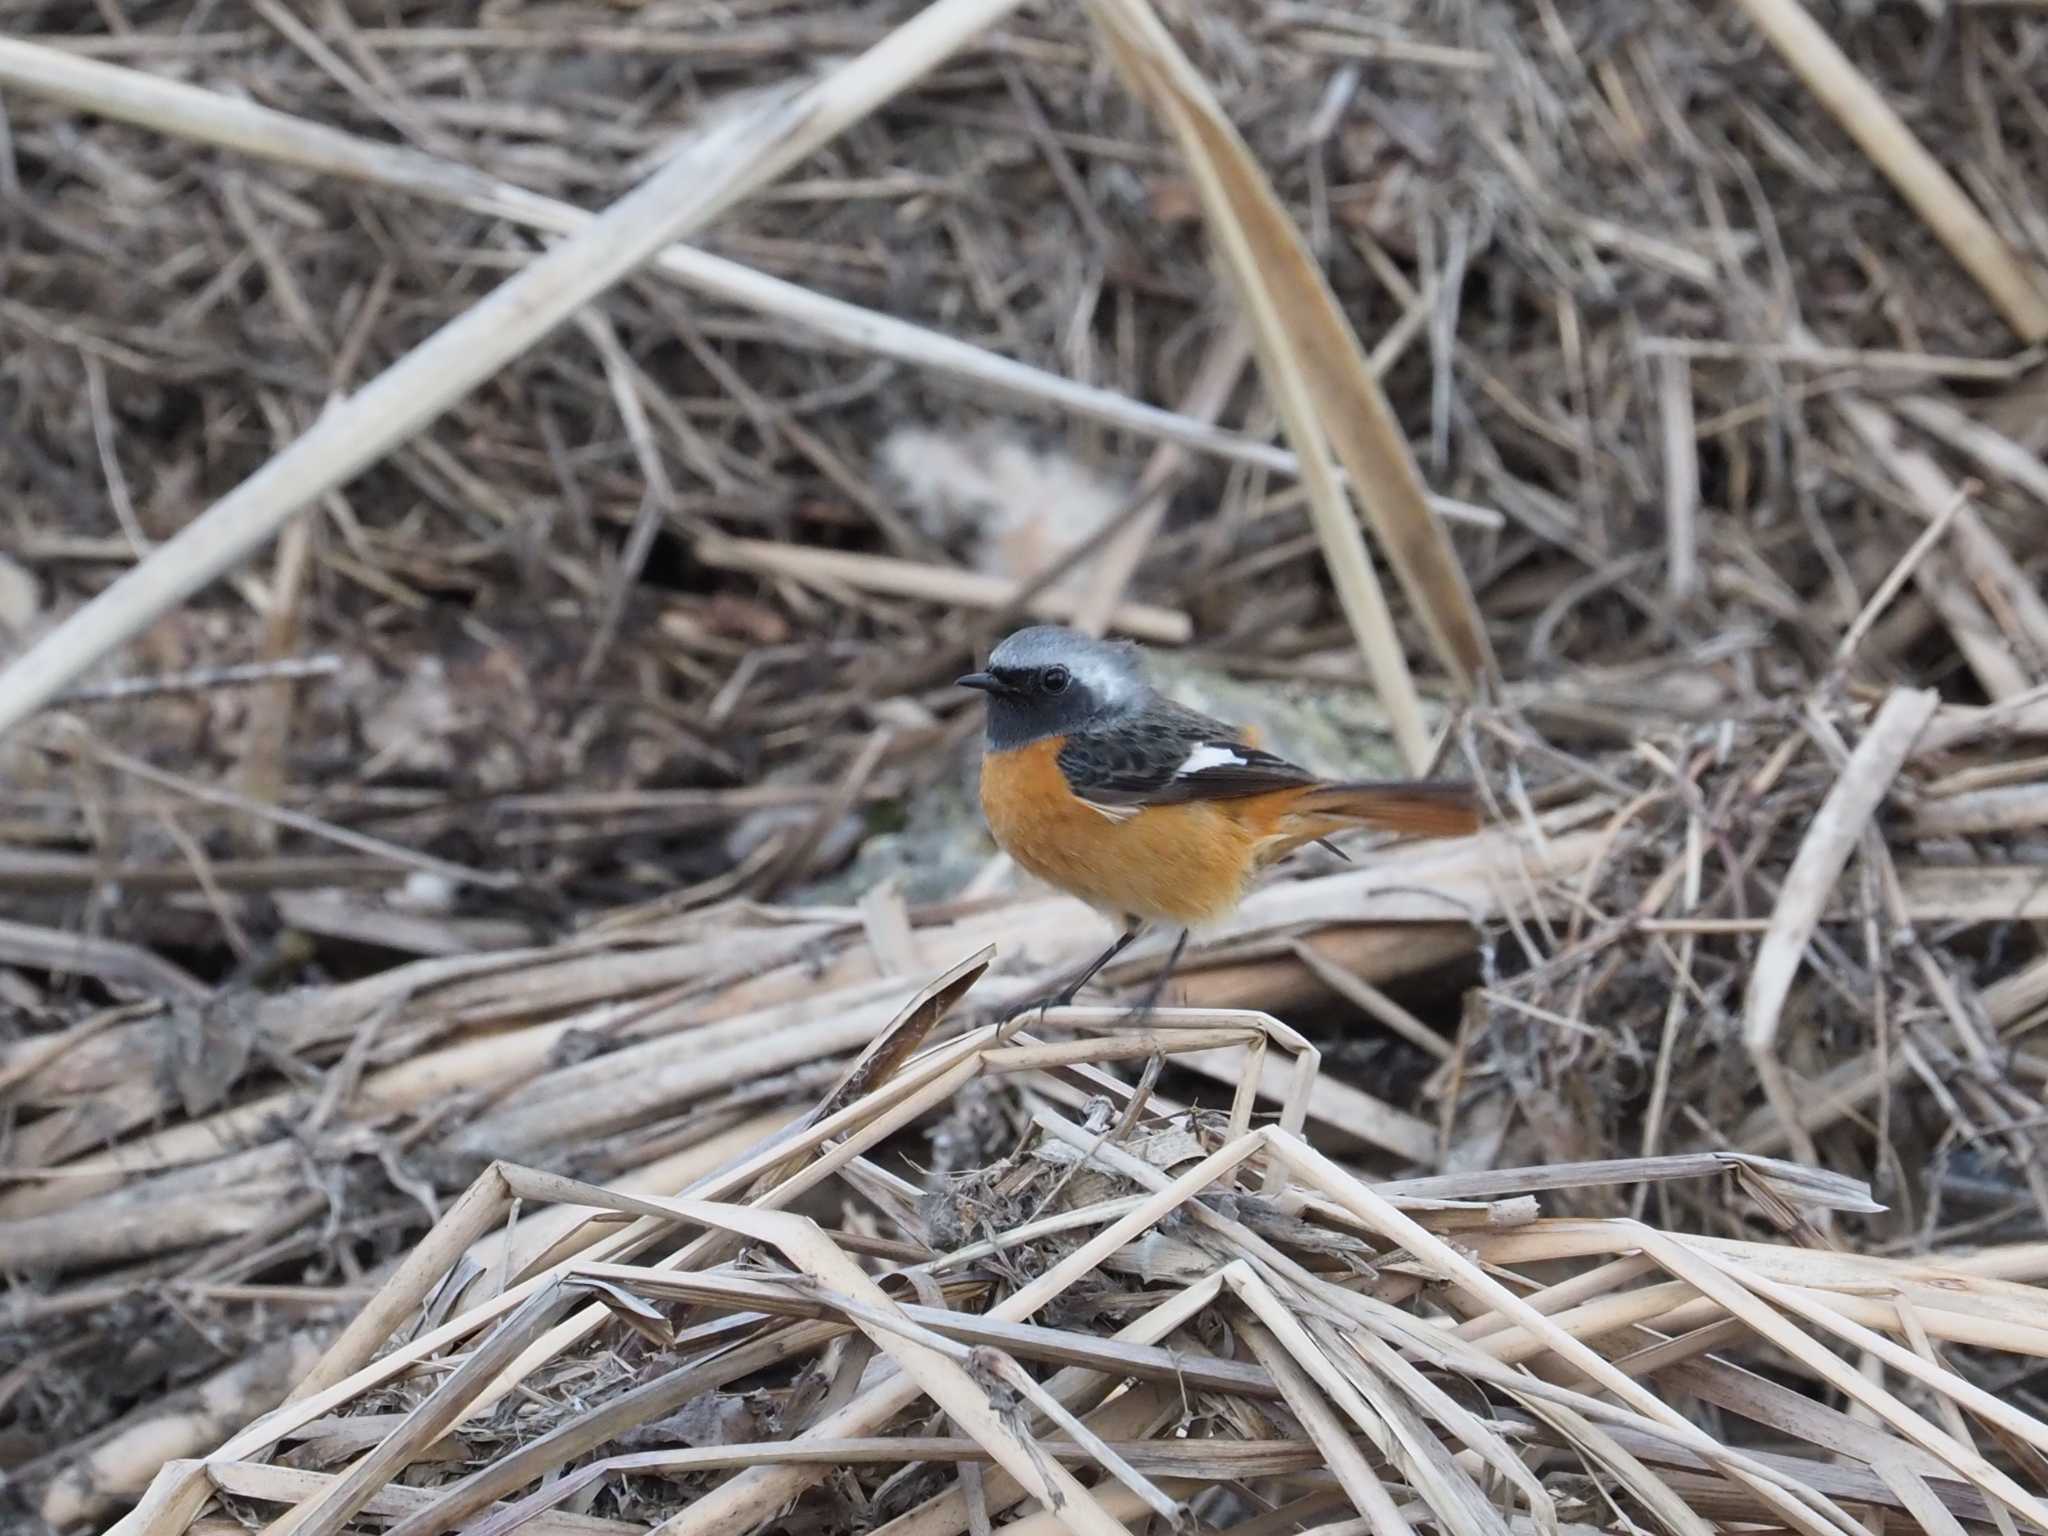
pixel 506 1004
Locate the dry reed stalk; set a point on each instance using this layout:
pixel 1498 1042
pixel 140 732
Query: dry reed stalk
pixel 1877 129
pixel 756 1490
pixel 907 578
pixel 1907 568
pixel 1027 1341
pixel 481 1207
pixel 139 1455
pixel 1081 1390
pixel 245 127
pixel 701 181
pixel 1681 478
pixel 621 1244
pixel 2013 598
pixel 75 954
pixel 1591 902
pixel 1757 1475
pixel 1841 823
pixel 289 1485
pixel 455 1395
pixel 1369 1208
pixel 1460 880
pixel 548 1237
pixel 2024 715
pixel 941 1373
pixel 594 983
pixel 2015 808
pixel 1995 453
pixel 208 794
pixel 1355 1474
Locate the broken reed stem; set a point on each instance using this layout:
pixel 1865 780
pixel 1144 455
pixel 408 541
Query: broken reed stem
pixel 1823 854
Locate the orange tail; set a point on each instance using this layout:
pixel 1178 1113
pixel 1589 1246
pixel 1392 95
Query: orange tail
pixel 1415 808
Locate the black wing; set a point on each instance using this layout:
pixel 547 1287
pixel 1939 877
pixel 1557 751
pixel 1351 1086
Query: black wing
pixel 1168 755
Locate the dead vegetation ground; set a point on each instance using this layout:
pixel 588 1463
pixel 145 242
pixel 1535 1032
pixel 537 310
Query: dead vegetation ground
pixel 523 808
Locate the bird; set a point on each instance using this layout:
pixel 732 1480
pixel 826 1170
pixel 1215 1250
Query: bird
pixel 1147 810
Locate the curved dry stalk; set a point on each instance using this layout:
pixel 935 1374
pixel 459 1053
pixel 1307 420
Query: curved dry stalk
pixel 1322 387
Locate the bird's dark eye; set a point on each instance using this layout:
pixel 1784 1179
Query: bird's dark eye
pixel 1055 679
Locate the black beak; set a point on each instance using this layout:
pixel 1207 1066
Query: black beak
pixel 987 682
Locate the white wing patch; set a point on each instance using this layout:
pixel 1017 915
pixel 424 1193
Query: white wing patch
pixel 1209 756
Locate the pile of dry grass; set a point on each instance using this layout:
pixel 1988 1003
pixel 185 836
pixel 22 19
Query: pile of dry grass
pixel 658 1059
pixel 1713 559
pixel 1245 1334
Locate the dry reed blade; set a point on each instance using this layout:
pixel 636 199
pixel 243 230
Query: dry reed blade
pixel 1311 361
pixel 1319 341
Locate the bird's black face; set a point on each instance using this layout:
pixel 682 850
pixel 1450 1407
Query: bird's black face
pixel 1030 703
pixel 1048 681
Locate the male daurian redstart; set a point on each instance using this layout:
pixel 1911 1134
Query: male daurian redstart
pixel 1150 811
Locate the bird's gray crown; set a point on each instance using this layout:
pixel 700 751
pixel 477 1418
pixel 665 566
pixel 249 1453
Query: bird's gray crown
pixel 1047 681
pixel 1112 672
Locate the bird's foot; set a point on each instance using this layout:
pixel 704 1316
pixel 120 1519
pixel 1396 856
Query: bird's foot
pixel 1064 998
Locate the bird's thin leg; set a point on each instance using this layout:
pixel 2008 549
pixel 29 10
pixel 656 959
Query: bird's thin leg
pixel 1066 995
pixel 1064 998
pixel 1158 987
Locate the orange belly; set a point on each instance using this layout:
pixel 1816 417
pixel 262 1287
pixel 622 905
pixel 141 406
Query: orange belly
pixel 1183 864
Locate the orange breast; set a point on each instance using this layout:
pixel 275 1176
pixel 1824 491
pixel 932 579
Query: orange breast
pixel 1183 864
